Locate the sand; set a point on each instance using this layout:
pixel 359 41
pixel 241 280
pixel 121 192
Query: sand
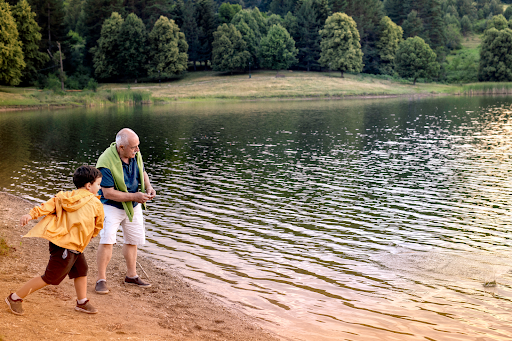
pixel 172 309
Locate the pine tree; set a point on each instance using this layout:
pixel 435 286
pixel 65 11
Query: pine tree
pixel 132 44
pixel 167 49
pixel 206 24
pixel 54 29
pixel 277 49
pixel 229 49
pixel 413 25
pixel 367 15
pixel 282 7
pixel 96 12
pixel 106 53
pixel 190 30
pixel 308 39
pixel 11 53
pixel 390 38
pixel 29 36
pixel 341 49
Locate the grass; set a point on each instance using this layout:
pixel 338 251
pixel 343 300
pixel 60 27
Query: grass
pixel 4 247
pixel 487 88
pixel 27 97
pixel 297 84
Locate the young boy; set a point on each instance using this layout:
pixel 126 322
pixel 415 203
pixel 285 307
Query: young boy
pixel 72 219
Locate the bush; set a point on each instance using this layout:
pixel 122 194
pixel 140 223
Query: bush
pixel 92 85
pixel 53 83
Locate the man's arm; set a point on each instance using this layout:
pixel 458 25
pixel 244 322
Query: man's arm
pixel 113 194
pixel 149 189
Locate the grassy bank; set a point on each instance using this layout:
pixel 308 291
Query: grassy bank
pixel 31 97
pixel 210 85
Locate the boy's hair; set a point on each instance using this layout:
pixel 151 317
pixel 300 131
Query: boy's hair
pixel 85 174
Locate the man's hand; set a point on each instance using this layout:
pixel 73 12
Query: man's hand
pixel 141 197
pixel 151 192
pixel 25 219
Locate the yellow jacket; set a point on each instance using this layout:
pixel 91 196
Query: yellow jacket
pixel 72 219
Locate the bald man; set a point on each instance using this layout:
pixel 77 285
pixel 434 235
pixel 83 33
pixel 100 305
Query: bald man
pixel 125 188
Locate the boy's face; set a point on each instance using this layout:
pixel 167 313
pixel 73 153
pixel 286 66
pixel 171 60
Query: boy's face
pixel 93 187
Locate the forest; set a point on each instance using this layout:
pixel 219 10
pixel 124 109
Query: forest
pixel 75 44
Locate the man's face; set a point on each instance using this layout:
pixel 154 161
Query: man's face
pixel 131 148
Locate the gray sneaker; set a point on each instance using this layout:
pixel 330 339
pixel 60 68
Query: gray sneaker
pixel 101 287
pixel 15 305
pixel 86 308
pixel 136 281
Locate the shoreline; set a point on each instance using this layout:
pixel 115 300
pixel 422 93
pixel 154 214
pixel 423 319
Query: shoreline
pixel 172 309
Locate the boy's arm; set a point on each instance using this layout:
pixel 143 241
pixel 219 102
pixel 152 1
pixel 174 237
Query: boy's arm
pixel 99 221
pixel 38 211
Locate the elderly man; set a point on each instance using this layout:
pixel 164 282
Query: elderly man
pixel 123 173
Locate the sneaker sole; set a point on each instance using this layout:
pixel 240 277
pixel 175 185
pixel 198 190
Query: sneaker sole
pixel 102 292
pixel 85 311
pixel 140 286
pixel 9 304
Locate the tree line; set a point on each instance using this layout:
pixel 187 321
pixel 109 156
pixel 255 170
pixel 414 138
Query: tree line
pixel 126 40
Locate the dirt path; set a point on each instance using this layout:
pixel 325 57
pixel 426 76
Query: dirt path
pixel 171 310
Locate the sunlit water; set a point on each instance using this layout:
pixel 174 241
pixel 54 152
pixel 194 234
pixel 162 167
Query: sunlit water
pixel 359 219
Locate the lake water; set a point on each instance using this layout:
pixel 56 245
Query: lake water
pixel 327 220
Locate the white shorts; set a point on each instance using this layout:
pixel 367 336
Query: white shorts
pixel 133 231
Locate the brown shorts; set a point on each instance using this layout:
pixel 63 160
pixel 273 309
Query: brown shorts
pixel 75 265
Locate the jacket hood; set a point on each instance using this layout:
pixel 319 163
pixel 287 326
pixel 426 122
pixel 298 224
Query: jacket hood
pixel 72 201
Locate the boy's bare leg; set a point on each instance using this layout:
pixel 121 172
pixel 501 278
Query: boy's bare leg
pixel 81 287
pixel 34 284
pixel 103 257
pixel 130 255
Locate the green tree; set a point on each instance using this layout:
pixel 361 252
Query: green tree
pixel 106 53
pixel 281 7
pixel 29 36
pixel 465 26
pixel 499 22
pixel 415 59
pixel 508 13
pixel 11 53
pixel 206 24
pixel 74 19
pixel 50 16
pixel 413 25
pixel 463 68
pixel 390 37
pixel 340 45
pixel 132 44
pixel 252 26
pixel 167 49
pixel 229 49
pixel 496 56
pixel 227 11
pixel 96 12
pixel 277 49
pixel 191 32
pixel 367 15
pixel 311 16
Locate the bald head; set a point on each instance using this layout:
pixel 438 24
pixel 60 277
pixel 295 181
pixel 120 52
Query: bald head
pixel 124 136
pixel 127 143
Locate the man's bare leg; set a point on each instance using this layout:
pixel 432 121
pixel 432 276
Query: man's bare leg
pixel 130 255
pixel 103 257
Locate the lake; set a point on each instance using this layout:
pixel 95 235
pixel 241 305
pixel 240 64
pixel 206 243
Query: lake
pixel 360 219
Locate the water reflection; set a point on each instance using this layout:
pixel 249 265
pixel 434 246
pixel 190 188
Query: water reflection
pixel 374 219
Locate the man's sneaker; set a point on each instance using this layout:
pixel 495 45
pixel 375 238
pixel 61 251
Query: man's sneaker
pixel 86 308
pixel 101 287
pixel 15 305
pixel 136 281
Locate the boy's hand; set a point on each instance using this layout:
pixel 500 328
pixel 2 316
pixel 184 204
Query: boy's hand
pixel 25 219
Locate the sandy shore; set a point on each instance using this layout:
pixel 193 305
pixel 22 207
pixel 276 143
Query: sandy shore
pixel 171 309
